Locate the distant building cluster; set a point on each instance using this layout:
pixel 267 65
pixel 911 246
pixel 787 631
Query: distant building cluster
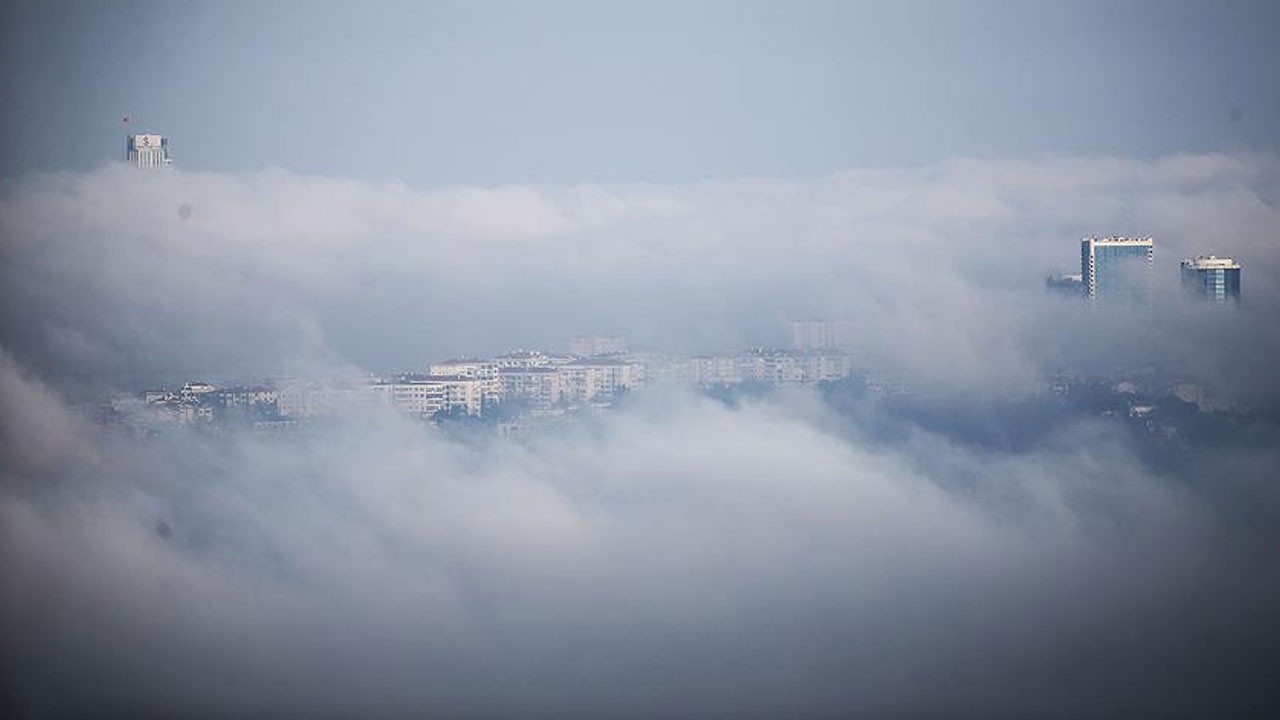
pixel 534 380
pixel 598 370
pixel 1118 271
pixel 199 402
pixel 524 383
pixel 543 383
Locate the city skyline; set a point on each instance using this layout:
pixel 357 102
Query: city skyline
pixel 1103 273
pixel 586 360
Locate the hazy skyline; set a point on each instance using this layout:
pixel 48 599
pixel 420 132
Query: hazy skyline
pixel 495 93
pixel 1048 509
pixel 939 269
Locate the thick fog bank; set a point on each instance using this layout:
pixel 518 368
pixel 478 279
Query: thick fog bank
pixel 682 558
pixel 957 549
pixel 123 276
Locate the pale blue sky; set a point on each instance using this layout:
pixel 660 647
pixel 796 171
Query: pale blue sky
pixel 490 93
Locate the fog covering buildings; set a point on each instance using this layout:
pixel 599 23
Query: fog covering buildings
pixel 241 470
pixel 591 346
pixel 1071 285
pixel 986 502
pixel 514 386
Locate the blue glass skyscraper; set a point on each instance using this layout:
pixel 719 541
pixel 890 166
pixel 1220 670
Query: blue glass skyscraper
pixel 1117 270
pixel 1213 278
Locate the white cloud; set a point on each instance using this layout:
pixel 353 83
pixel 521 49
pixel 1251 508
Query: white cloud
pixel 938 267
pixel 682 553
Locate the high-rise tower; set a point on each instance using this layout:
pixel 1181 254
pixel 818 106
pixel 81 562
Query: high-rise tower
pixel 1117 269
pixel 148 151
pixel 1212 277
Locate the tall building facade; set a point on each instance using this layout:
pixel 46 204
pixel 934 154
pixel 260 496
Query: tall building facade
pixel 589 346
pixel 1117 269
pixel 811 335
pixel 148 151
pixel 1212 277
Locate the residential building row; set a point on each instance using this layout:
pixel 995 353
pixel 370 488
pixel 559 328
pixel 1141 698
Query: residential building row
pixel 199 402
pixel 773 367
pixel 540 383
pixel 525 382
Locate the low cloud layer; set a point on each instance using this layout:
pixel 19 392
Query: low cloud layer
pixel 684 558
pixel 939 269
pixel 680 556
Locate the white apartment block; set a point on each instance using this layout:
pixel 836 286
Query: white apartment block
pixel 828 366
pixel 429 394
pixel 411 397
pixel 776 368
pixel 541 387
pixel 662 369
pixel 469 394
pixel 587 380
pixel 714 370
pixel 483 370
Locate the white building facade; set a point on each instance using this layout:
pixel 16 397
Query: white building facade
pixel 596 380
pixel 541 387
pixel 426 395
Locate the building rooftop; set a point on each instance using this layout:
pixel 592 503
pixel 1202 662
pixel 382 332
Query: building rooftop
pixel 1121 240
pixel 598 361
pixel 1211 262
